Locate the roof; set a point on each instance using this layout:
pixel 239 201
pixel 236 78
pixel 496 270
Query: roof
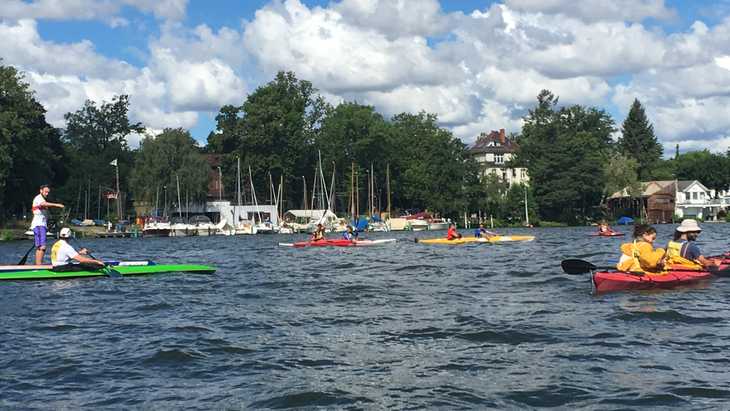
pixel 650 188
pixel 311 213
pixel 495 142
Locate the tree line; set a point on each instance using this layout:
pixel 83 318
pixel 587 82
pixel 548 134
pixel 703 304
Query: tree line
pixel 284 127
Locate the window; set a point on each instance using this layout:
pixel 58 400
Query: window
pixel 694 196
pixel 514 173
pixel 498 159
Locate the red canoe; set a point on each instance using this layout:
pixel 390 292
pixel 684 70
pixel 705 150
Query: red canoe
pixel 609 281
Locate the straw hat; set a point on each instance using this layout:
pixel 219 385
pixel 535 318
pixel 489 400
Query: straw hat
pixel 689 226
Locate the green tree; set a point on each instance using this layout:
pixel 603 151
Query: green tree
pixel 429 171
pixel 273 132
pixel 620 172
pixel 708 168
pixel 162 159
pixel 638 141
pixel 563 150
pixel 353 133
pixel 94 137
pixel 31 152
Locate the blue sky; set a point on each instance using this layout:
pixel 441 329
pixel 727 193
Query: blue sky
pixel 477 64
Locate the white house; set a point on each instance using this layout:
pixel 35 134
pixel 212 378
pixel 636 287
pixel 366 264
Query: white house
pixel 694 200
pixel 493 152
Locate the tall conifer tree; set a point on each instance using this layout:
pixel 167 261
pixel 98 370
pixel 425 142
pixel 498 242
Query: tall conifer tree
pixel 638 141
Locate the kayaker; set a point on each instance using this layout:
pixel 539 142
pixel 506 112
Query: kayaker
pixel 452 234
pixel 483 232
pixel 604 229
pixel 318 234
pixel 683 250
pixel 39 225
pixel 640 255
pixel 350 234
pixel 65 258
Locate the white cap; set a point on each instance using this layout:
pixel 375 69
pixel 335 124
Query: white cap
pixel 65 232
pixel 689 226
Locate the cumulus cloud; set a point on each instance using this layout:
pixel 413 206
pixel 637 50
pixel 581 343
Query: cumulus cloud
pixel 477 70
pixel 596 10
pixel 105 10
pixel 395 18
pixel 169 91
pixel 320 46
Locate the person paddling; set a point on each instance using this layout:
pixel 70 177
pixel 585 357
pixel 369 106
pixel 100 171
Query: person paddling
pixel 483 232
pixel 683 249
pixel 640 255
pixel 452 234
pixel 350 234
pixel 318 234
pixel 604 229
pixel 39 225
pixel 65 258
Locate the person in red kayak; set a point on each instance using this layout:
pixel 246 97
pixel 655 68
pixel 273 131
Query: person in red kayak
pixel 604 229
pixel 452 234
pixel 640 255
pixel 350 234
pixel 683 249
pixel 318 234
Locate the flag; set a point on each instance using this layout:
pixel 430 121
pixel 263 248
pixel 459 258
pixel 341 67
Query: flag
pixel 111 195
pixel 114 163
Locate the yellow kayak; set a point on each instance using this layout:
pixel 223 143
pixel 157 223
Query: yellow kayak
pixel 467 240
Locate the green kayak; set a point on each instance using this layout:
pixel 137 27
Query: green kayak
pixel 122 270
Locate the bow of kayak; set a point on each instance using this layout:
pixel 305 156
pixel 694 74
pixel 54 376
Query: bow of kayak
pixel 123 270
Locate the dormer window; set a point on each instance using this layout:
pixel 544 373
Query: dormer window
pixel 498 159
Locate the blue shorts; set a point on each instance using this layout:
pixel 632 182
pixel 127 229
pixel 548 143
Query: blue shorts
pixel 39 234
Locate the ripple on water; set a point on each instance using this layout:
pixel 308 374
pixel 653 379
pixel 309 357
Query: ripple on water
pixel 308 399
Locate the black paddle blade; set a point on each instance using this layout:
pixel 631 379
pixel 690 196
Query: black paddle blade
pixel 112 272
pixel 25 257
pixel 575 266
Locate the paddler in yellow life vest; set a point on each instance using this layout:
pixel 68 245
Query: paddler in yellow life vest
pixel 640 256
pixel 683 251
pixel 65 258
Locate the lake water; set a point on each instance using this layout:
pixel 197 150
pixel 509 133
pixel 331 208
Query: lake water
pixel 402 326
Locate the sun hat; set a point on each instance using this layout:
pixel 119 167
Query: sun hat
pixel 65 232
pixel 688 226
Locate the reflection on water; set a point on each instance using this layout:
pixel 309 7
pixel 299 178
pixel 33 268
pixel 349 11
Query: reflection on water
pixel 400 326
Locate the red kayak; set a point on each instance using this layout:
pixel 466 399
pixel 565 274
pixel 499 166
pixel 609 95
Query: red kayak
pixel 609 234
pixel 338 243
pixel 609 281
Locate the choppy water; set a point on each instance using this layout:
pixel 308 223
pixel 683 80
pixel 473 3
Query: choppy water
pixel 404 326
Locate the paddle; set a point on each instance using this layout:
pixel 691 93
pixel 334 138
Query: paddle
pixel 25 257
pixel 106 269
pixel 575 266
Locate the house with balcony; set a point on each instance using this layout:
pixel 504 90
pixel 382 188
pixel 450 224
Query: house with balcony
pixel 662 201
pixel 493 152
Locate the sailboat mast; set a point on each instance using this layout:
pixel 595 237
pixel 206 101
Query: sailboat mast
pixel 179 201
pixel 527 216
pixel 332 190
pixel 387 185
pixel 352 192
pixel 238 180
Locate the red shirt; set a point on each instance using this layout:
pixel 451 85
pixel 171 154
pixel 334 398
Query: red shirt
pixel 452 234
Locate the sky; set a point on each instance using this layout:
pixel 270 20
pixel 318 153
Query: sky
pixel 478 65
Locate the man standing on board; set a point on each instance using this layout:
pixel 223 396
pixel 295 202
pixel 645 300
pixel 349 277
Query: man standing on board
pixel 39 225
